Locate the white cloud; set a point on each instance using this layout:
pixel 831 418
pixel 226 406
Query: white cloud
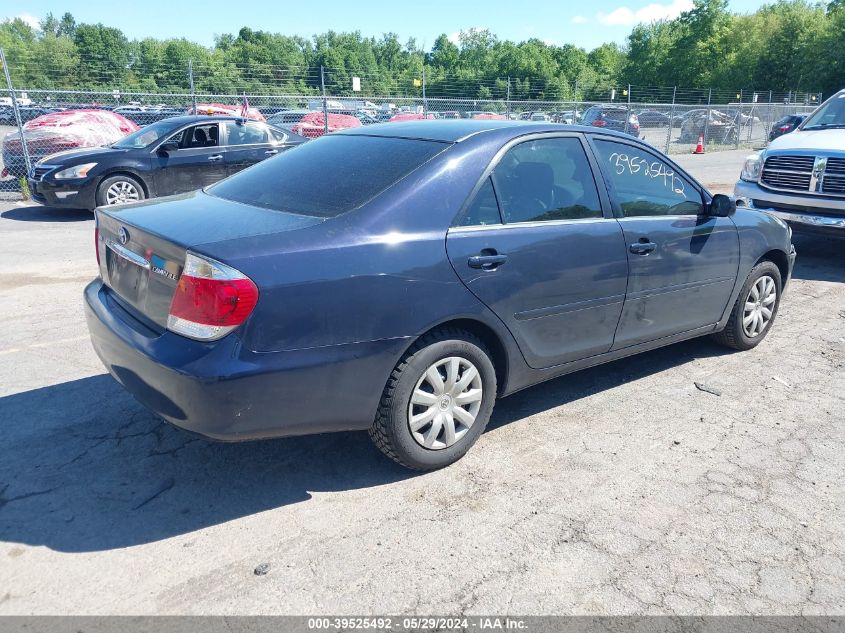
pixel 625 16
pixel 30 19
pixel 579 19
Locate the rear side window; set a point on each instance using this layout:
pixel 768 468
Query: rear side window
pixel 482 210
pixel 329 176
pixel 546 179
pixel 239 133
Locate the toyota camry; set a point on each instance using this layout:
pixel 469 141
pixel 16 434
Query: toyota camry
pixel 438 266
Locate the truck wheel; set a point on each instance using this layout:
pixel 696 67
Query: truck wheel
pixel 437 401
pixel 755 309
pixel 119 189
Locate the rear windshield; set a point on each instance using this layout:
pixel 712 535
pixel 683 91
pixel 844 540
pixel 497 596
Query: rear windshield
pixel 329 176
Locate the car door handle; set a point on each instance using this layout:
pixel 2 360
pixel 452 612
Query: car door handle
pixel 643 248
pixel 271 152
pixel 487 262
pixel 215 157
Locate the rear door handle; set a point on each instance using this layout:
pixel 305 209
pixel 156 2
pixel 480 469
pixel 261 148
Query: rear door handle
pixel 215 157
pixel 643 248
pixel 271 152
pixel 487 262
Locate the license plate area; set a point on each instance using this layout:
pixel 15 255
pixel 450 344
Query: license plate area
pixel 128 273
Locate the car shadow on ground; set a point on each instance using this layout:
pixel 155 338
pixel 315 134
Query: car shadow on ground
pixel 819 258
pixel 39 213
pixel 86 468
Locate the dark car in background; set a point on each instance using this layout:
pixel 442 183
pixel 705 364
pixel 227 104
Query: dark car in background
pixel 786 125
pixel 175 155
pixel 613 118
pixel 399 278
pixel 28 113
pixel 653 118
pixel 713 125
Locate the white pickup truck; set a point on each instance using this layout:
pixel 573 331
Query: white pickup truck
pixel 800 177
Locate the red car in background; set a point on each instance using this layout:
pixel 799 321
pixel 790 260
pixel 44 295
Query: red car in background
pixel 313 124
pixel 224 109
pixel 411 116
pixel 491 116
pixel 61 131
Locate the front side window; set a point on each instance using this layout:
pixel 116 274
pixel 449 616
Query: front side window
pixel 546 179
pixel 644 184
pixel 206 135
pixel 239 133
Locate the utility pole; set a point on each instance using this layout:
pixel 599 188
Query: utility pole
pixel 425 101
pixel 17 111
pixel 193 91
pixel 508 99
pixel 325 104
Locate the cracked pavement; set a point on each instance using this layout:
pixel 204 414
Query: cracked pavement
pixel 618 490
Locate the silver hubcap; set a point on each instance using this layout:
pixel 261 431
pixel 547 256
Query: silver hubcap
pixel 759 305
pixel 122 192
pixel 445 403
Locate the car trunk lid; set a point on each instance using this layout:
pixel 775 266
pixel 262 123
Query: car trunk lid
pixel 142 247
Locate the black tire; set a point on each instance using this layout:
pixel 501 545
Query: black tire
pixel 391 430
pixel 112 180
pixel 734 334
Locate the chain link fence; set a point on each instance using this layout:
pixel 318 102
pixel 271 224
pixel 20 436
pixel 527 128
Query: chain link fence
pixel 43 119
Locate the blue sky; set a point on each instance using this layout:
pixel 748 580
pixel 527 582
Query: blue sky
pixel 584 23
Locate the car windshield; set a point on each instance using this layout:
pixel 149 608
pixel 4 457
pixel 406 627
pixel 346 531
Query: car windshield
pixel 329 176
pixel 145 136
pixel 830 114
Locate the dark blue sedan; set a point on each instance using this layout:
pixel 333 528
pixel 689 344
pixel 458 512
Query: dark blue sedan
pixel 401 277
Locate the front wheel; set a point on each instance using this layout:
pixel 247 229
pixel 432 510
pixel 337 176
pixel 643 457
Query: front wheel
pixel 437 401
pixel 119 189
pixel 755 309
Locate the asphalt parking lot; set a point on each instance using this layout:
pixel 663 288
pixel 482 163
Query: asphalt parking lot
pixel 622 489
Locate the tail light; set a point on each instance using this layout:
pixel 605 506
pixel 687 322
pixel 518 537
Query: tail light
pixel 599 123
pixel 211 299
pixel 97 240
pixel 783 128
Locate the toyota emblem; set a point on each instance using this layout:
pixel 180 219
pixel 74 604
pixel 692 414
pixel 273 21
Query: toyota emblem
pixel 123 234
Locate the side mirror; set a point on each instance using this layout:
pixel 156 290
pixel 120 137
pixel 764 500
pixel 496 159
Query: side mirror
pixel 166 148
pixel 722 206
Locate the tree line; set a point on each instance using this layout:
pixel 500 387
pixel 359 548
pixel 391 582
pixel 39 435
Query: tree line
pixel 785 46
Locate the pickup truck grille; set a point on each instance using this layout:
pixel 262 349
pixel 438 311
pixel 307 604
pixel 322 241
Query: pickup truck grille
pixel 788 172
pixel 833 184
pixel 806 174
pixel 791 163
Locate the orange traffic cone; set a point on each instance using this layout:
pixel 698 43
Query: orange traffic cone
pixel 699 149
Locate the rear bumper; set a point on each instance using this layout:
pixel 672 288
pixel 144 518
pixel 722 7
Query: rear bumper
pixel 802 212
pixel 224 392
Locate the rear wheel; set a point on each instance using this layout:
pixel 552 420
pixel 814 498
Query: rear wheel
pixel 437 401
pixel 755 309
pixel 119 189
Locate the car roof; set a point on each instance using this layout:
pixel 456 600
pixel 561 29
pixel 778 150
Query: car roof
pixel 457 130
pixel 199 118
